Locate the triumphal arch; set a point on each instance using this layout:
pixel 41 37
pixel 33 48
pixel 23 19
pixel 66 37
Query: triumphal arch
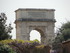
pixel 41 20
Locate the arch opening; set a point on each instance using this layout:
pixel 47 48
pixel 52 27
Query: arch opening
pixel 34 34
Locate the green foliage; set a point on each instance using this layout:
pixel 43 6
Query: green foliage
pixel 7 41
pixel 62 35
pixel 40 46
pixel 36 40
pixel 65 31
pixel 66 25
pixel 6 49
pixel 21 46
pixel 19 41
pixel 66 34
pixel 4 29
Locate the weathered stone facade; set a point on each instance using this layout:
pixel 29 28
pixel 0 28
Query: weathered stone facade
pixel 41 20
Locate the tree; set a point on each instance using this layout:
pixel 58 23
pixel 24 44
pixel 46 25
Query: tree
pixel 64 31
pixel 4 29
pixel 63 34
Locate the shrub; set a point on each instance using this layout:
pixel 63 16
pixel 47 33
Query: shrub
pixel 21 46
pixel 6 41
pixel 19 41
pixel 6 49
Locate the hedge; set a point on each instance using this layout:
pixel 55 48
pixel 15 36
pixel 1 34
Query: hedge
pixel 20 46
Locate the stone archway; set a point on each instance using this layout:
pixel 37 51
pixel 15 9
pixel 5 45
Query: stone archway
pixel 41 20
pixel 35 35
pixel 41 31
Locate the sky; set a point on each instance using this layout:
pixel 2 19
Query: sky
pixel 62 10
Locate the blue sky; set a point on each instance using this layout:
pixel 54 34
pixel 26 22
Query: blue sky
pixel 62 7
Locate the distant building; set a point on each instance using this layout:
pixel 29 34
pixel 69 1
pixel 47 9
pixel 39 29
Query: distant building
pixel 66 46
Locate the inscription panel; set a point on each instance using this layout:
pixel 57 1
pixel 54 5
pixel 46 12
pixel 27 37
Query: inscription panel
pixel 37 14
